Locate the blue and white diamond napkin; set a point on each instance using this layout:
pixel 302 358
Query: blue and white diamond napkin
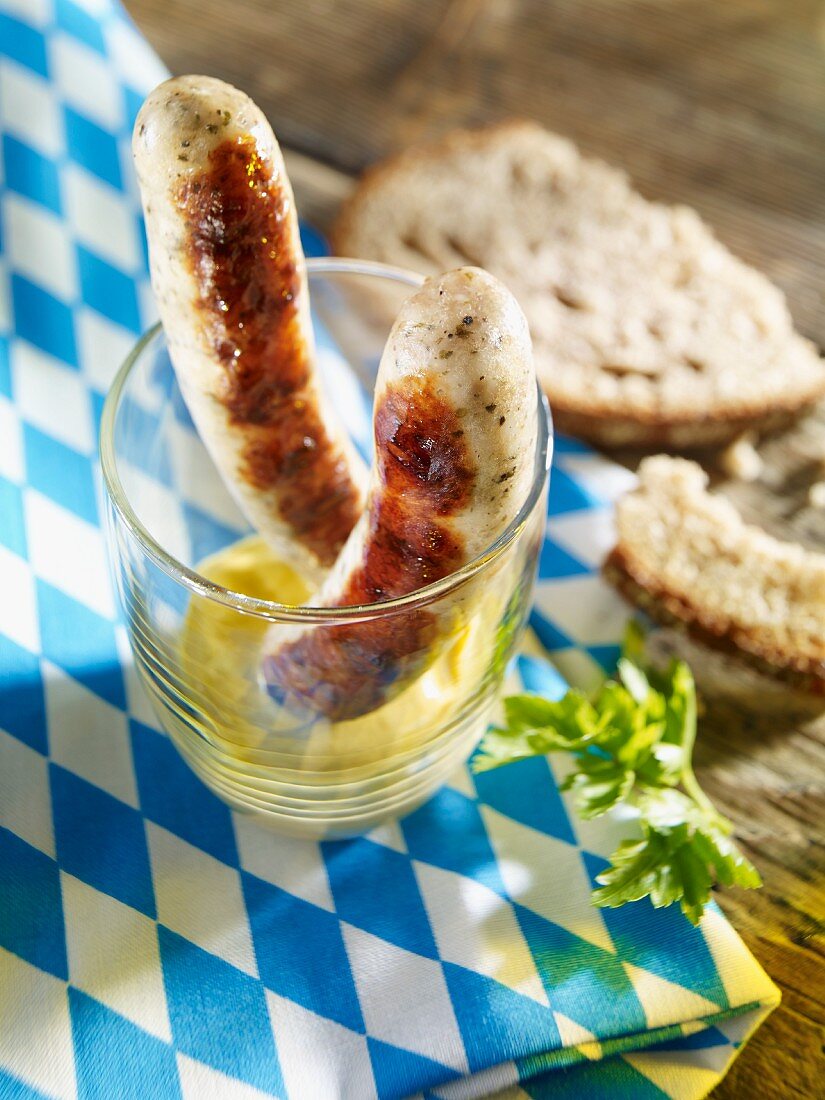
pixel 152 943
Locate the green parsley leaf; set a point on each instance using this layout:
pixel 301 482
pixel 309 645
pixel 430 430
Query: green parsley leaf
pixel 535 726
pixel 632 743
pixel 634 680
pixel 598 787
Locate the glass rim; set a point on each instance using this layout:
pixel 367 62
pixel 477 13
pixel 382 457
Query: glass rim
pixel 309 613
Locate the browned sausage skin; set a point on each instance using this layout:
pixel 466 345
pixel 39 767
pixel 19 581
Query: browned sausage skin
pixel 455 436
pixel 425 474
pixel 249 293
pixel 229 277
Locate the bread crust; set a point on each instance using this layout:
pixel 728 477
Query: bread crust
pixel 607 429
pixel 670 609
pixel 620 418
pixel 685 556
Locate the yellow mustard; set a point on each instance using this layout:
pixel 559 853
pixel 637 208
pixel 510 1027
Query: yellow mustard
pixel 220 650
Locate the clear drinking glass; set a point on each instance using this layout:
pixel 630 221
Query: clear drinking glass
pixel 197 612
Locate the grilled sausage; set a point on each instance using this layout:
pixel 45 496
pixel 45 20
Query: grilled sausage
pixel 455 437
pixel 229 276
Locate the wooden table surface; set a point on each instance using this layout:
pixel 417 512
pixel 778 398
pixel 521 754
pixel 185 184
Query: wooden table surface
pixel 716 103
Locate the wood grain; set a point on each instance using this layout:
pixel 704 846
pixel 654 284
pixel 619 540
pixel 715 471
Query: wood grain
pixel 717 103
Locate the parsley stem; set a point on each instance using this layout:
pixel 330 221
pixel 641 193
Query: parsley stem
pixel 689 731
pixel 688 779
pixel 692 788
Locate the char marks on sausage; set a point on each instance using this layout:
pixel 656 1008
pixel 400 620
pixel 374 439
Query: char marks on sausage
pixel 455 426
pixel 248 287
pixel 426 475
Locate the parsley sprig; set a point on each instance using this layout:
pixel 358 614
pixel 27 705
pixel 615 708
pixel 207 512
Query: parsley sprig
pixel 632 743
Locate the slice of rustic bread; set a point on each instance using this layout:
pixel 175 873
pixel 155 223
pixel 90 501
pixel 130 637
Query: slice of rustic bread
pixel 686 557
pixel 647 331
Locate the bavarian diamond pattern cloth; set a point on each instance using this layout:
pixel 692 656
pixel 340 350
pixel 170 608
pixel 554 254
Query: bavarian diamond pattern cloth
pixel 152 943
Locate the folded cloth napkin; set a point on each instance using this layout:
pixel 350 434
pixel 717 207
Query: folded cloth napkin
pixel 152 943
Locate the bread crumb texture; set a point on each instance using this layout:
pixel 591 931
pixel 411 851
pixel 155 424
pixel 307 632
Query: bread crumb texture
pixel 646 329
pixel 690 552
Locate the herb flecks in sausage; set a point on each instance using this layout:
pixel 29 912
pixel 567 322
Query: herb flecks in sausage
pixel 443 488
pixel 250 297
